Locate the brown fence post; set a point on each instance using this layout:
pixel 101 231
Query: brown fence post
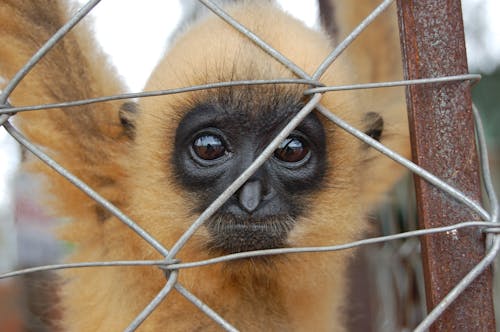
pixel 442 133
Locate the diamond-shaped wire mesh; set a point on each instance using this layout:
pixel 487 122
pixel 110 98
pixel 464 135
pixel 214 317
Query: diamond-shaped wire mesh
pixel 313 88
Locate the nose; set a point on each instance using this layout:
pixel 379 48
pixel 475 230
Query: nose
pixel 250 195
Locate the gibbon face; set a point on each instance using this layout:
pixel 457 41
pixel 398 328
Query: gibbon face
pixel 218 139
pixel 200 142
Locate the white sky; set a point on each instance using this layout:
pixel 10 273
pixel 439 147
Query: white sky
pixel 134 33
pixel 483 56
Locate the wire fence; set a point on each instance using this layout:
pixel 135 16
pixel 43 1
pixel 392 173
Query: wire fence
pixel 312 87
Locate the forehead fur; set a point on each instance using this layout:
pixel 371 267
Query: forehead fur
pixel 211 47
pixel 213 51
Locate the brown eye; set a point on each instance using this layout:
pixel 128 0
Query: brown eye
pixel 291 150
pixel 209 147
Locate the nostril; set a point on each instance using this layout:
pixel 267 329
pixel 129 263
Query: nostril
pixel 250 196
pixel 267 193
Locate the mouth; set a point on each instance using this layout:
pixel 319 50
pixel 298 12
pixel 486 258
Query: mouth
pixel 230 234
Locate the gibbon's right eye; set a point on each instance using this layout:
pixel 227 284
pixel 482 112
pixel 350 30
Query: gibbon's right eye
pixel 292 150
pixel 209 146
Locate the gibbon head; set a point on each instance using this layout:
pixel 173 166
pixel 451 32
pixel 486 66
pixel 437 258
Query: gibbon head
pixel 190 147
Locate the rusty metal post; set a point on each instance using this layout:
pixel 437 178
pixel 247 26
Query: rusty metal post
pixel 442 133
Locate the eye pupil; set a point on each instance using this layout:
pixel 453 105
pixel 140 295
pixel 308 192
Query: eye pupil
pixel 209 147
pixel 292 149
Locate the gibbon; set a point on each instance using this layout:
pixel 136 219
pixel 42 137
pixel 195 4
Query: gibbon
pixel 163 160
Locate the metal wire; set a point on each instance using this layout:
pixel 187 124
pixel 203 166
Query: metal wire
pixel 11 85
pixel 216 85
pixel 485 166
pixel 55 267
pixel 174 265
pixel 205 309
pixel 4 118
pixel 472 77
pixel 319 89
pixel 349 39
pixel 169 262
pixel 253 37
pixel 300 250
pixel 172 279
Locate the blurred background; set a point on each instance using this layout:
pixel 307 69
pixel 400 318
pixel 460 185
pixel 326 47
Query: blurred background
pixel 25 231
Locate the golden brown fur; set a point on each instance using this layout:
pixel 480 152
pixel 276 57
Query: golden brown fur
pixel 297 292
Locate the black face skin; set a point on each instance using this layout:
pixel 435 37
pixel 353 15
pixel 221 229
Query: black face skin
pixel 220 137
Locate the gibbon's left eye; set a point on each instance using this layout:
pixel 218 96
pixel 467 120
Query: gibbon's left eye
pixel 293 149
pixel 209 146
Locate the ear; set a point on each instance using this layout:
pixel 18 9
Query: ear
pixel 128 113
pixel 373 125
pixel 380 172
